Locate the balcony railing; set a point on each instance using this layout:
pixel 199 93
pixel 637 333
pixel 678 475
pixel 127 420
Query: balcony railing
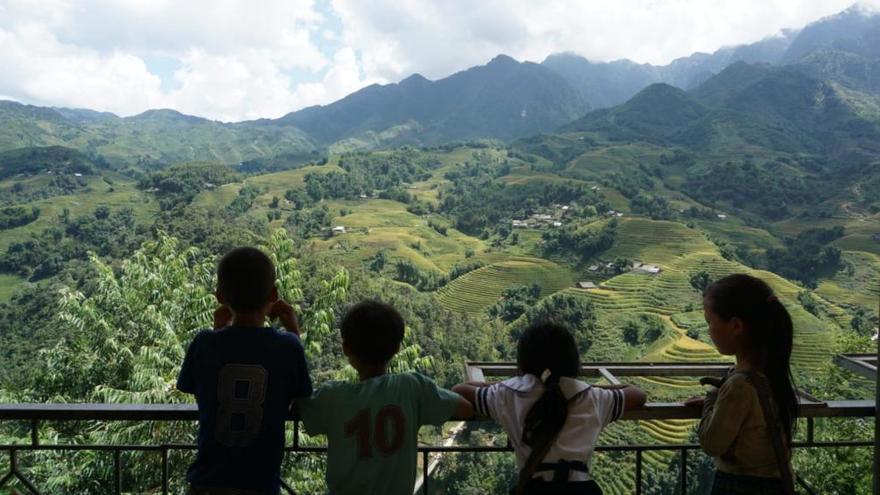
pixel 809 410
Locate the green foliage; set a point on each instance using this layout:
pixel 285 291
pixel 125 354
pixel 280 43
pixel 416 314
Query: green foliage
pixel 576 313
pixel 459 270
pixel 17 216
pixel 700 280
pixel 514 302
pixel 56 160
pixel 767 190
pixel 582 242
pixel 656 207
pixel 423 280
pixel 245 200
pixel 48 252
pixel 807 256
pixel 477 201
pixel 179 184
pixel 307 223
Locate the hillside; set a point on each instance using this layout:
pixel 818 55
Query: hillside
pixel 153 138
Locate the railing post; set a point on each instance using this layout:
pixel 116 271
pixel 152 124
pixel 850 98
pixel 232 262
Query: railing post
pixel 425 460
pixel 164 470
pixel 35 432
pixel 638 471
pixel 877 416
pixel 684 471
pixel 810 431
pixel 117 472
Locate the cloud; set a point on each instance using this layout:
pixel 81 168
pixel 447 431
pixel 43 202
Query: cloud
pixel 37 68
pixel 438 37
pixel 234 60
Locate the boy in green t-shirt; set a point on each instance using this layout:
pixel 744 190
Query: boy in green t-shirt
pixel 372 426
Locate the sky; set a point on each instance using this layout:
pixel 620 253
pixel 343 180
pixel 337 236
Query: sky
pixel 248 59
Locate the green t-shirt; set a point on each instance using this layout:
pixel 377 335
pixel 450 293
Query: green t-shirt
pixel 372 430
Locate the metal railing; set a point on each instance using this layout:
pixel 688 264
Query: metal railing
pixel 37 413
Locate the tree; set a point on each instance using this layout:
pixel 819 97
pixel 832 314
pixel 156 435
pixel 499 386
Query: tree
pixel 573 311
pixel 631 333
pixel 700 281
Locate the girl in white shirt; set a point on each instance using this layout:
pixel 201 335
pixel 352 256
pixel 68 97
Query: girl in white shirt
pixel 546 403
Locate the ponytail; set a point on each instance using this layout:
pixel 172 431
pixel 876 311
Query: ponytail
pixel 548 351
pixel 547 416
pixel 770 336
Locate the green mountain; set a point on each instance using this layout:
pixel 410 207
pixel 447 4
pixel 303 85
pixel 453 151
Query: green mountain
pixel 504 99
pixel 153 138
pixel 843 48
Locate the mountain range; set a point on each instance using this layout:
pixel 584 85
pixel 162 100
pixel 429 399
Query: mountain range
pixel 832 65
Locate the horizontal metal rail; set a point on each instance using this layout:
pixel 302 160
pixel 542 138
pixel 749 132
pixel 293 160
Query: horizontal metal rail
pixel 35 413
pixel 189 412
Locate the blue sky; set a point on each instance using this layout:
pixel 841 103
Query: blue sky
pixel 234 60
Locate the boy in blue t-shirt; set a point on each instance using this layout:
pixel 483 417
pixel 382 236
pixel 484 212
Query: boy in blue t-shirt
pixel 244 376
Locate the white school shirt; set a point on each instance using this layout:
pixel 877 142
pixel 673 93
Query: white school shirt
pixel 590 410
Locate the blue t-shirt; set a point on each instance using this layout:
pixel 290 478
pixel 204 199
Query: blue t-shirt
pixel 244 380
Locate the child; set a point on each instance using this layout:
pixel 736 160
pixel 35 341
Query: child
pixel 372 426
pixel 244 376
pixel 547 409
pixel 746 320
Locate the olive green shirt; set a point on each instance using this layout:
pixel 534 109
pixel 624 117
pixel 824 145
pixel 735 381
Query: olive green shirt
pixel 733 430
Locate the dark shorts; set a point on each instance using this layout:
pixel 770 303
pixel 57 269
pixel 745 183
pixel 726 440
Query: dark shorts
pixel 537 487
pixel 735 484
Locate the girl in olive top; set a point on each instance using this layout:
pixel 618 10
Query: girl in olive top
pixel 746 320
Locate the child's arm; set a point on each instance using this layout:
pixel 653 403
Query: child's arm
pixel 633 397
pixel 285 313
pixel 724 411
pixel 468 391
pixel 464 410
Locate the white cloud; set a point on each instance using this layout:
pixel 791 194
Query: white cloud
pixel 438 37
pixel 234 59
pixel 37 68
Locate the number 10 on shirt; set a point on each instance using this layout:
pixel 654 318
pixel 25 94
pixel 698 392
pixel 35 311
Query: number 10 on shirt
pixel 386 431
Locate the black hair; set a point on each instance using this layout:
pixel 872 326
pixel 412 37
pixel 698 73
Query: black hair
pixel 547 346
pixel 770 334
pixel 373 331
pixel 245 279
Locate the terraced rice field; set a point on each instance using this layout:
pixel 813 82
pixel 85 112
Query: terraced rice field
pixel 658 242
pixel 479 289
pixel 859 288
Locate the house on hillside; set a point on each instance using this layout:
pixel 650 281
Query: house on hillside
pixel 722 216
pixel 520 224
pixel 593 268
pixel 557 224
pixel 339 229
pixel 586 285
pixel 652 269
